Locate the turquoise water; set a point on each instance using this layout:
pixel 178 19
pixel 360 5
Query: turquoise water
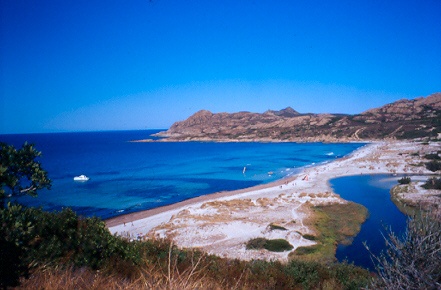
pixel 128 177
pixel 372 191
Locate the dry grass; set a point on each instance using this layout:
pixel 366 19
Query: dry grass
pixel 87 279
pixel 167 270
pixel 147 276
pixel 232 205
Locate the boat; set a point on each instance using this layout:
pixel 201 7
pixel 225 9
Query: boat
pixel 81 178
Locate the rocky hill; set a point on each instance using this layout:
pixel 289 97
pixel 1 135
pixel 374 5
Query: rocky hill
pixel 404 119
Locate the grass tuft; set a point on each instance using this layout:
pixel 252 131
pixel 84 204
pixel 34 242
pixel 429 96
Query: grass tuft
pixel 276 245
pixel 274 227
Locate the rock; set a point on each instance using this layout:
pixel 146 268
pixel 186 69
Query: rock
pixel 403 119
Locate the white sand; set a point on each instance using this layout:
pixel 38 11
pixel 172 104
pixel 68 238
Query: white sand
pixel 222 225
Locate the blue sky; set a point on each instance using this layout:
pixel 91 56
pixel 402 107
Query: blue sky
pixel 115 65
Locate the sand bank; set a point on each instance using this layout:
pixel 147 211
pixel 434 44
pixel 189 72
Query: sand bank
pixel 222 223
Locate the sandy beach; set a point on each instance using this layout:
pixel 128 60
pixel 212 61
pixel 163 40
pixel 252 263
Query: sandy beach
pixel 223 222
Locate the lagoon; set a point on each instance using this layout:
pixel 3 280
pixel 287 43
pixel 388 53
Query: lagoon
pixel 373 192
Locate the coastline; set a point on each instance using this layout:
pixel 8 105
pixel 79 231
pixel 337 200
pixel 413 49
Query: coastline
pixel 221 223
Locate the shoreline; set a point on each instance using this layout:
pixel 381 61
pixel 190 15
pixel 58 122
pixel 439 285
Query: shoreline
pixel 129 217
pixel 114 221
pixel 221 223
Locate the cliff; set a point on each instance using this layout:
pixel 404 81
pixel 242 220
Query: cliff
pixel 403 119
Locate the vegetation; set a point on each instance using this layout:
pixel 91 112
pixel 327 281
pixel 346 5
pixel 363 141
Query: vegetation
pixel 433 183
pixel 309 237
pixel 31 237
pixel 404 180
pixel 432 156
pixel 334 224
pixel 20 172
pixel 433 165
pixel 61 250
pixel 300 251
pixel 412 261
pixel 276 245
pixel 274 227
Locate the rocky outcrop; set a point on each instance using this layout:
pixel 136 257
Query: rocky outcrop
pixel 404 119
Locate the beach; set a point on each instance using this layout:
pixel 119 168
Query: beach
pixel 223 222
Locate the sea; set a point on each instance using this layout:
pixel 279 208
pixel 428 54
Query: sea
pixel 130 176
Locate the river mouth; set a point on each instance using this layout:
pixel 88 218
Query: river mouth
pixel 373 192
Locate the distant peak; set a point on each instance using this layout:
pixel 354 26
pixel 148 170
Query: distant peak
pixel 203 112
pixel 287 112
pixel 290 111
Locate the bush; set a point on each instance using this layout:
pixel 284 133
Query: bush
pixel 432 156
pixel 433 183
pixel 305 273
pixel 309 237
pixel 404 180
pixel 277 227
pixel 307 250
pixel 414 260
pixel 333 276
pixel 256 244
pixel 277 245
pixel 41 238
pixel 433 165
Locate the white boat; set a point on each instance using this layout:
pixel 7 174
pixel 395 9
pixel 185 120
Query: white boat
pixel 81 178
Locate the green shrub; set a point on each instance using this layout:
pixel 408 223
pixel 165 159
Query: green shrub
pixel 16 234
pixel 309 237
pixel 41 238
pixel 432 156
pixel 433 165
pixel 404 180
pixel 277 227
pixel 305 273
pixel 277 245
pixel 256 244
pixel 350 276
pixel 307 250
pixel 433 183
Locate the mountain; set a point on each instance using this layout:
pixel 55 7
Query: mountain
pixel 403 119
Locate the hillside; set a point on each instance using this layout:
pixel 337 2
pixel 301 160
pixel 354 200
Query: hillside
pixel 403 119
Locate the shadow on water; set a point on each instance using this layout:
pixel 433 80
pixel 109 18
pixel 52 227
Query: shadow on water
pixel 373 192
